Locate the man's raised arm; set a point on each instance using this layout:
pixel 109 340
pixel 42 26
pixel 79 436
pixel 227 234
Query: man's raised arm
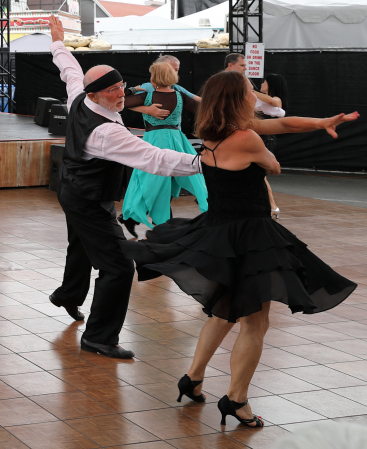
pixel 71 72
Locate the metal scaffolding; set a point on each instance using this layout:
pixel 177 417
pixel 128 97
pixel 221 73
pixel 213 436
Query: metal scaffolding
pixel 7 81
pixel 239 23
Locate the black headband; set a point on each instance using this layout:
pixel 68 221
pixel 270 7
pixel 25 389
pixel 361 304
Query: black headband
pixel 104 81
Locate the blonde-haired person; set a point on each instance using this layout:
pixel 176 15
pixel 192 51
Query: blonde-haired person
pixel 151 195
pixel 175 64
pixel 163 75
pixel 235 259
pixel 156 110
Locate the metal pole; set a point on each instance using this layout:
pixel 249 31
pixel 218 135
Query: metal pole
pixel 240 12
pixel 261 21
pixel 5 75
pixel 245 23
pixel 230 26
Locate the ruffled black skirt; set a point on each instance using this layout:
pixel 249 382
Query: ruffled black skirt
pixel 234 267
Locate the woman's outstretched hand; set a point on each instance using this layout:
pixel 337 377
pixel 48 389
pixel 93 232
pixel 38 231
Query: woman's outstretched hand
pixel 330 124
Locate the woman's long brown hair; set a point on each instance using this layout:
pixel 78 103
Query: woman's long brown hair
pixel 223 106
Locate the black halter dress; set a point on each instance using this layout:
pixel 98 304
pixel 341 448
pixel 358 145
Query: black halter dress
pixel 234 257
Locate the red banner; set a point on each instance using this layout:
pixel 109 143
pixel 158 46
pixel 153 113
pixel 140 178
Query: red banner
pixel 29 21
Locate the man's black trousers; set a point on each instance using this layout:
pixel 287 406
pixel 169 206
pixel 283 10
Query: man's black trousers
pixel 94 240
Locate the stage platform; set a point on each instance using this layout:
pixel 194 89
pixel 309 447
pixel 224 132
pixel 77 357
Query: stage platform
pixel 25 151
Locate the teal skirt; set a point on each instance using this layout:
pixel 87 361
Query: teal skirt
pixel 151 195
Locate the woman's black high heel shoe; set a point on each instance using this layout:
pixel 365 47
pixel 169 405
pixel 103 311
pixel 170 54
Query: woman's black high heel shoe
pixel 129 224
pixel 228 407
pixel 186 386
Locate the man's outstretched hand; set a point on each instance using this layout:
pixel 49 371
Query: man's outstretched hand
pixel 331 123
pixel 57 31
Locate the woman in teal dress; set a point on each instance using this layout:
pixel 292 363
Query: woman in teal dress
pixel 151 194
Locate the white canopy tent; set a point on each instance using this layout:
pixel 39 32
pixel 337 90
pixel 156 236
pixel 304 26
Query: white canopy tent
pixel 147 32
pixel 347 11
pixel 31 43
pixel 298 24
pixel 290 24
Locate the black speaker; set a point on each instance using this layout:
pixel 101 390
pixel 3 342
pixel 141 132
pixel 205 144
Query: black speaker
pixel 56 163
pixel 43 110
pixel 58 119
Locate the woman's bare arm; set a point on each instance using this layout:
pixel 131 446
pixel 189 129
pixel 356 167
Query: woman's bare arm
pixel 260 155
pixel 302 124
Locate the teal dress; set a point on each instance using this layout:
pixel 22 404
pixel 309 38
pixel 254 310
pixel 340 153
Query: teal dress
pixel 151 194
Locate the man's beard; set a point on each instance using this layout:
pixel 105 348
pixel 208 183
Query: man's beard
pixel 110 106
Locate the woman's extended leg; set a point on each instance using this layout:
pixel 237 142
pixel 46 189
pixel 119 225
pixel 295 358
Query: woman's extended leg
pixel 211 336
pixel 245 356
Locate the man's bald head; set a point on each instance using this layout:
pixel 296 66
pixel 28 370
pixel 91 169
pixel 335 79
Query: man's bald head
pixel 112 96
pixel 96 72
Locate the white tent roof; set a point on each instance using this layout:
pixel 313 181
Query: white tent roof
pixel 31 43
pixel 309 11
pixel 300 24
pixel 324 24
pixel 288 24
pixel 317 11
pixel 145 22
pixel 147 32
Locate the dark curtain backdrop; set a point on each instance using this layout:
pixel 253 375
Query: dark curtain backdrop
pixel 187 7
pixel 320 85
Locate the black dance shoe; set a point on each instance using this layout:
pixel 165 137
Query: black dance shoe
pixel 129 225
pixel 113 351
pixel 186 386
pixel 228 407
pixel 73 311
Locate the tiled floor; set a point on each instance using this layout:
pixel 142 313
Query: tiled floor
pixel 55 396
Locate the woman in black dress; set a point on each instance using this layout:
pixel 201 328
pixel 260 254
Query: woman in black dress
pixel 234 259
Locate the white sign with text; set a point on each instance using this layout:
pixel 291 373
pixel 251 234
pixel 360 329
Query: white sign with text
pixel 255 60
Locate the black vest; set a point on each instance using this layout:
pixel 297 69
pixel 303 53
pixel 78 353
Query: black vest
pixel 96 179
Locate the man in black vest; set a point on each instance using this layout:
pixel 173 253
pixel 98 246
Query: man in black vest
pixel 97 148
